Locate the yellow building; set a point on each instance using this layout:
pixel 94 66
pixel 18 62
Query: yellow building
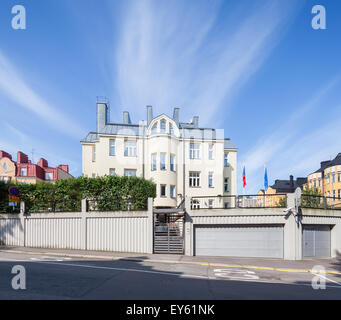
pixel 275 195
pixel 327 179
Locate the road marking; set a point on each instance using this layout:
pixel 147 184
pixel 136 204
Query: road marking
pixel 234 274
pixel 325 278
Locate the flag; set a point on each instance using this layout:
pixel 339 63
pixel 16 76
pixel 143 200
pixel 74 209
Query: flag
pixel 244 178
pixel 266 178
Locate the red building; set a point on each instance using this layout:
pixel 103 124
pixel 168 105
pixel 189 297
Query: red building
pixel 23 170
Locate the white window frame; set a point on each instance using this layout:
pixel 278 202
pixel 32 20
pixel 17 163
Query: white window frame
pixel 210 180
pixel 48 174
pixel 210 151
pixel 165 188
pixel 163 126
pixel 226 161
pixel 130 170
pixel 195 204
pixel 155 128
pixel 112 172
pixel 172 188
pixel 163 157
pixel 194 150
pixel 130 148
pixel 210 203
pixel 112 147
pixel 172 163
pixel 226 185
pixel 21 172
pixel 171 129
pixel 154 161
pixel 194 179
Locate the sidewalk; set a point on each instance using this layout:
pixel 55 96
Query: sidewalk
pixel 332 265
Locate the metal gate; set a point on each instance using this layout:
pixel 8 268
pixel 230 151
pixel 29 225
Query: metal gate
pixel 168 231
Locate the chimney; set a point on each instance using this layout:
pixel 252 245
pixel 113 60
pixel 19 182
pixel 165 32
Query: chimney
pixel 4 154
pixel 149 114
pixel 22 157
pixel 176 116
pixel 126 118
pixel 43 163
pixel 292 181
pixel 102 116
pixel 64 167
pixel 196 121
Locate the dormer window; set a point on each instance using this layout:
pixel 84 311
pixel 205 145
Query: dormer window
pixel 171 130
pixel 163 126
pixel 154 128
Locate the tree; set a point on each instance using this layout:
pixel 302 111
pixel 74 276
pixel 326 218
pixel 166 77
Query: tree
pixel 312 198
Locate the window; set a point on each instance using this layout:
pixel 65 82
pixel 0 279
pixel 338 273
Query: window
pixel 163 161
pixel 23 172
pixel 162 190
pixel 94 175
pixel 333 194
pixel 112 172
pixel 112 147
pixel 333 177
pixel 210 204
pixel 194 179
pixel 130 172
pixel 319 182
pixel 339 177
pixel 94 153
pixel 226 185
pixel 226 162
pixel 163 126
pixel 195 204
pixel 210 152
pixel 210 179
pixel 172 162
pixel 48 176
pixel 194 151
pixel 130 148
pixel 171 129
pixel 172 191
pixel 154 128
pixel 226 205
pixel 153 161
pixel 339 194
pixel 314 183
pixel 5 166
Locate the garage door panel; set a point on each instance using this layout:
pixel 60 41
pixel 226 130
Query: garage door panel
pixel 316 241
pixel 239 241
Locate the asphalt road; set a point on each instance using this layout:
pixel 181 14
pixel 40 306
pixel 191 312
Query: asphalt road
pixel 51 277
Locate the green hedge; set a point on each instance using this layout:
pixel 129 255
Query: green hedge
pixel 108 193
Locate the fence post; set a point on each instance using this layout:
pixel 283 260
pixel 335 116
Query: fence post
pixel 188 228
pixel 84 223
pixel 150 226
pixel 22 232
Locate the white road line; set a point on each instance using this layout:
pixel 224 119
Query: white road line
pixel 325 278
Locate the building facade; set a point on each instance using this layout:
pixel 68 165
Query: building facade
pixel 327 179
pixel 24 171
pixel 275 195
pixel 181 158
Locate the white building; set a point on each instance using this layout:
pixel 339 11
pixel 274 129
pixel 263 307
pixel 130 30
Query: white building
pixel 181 158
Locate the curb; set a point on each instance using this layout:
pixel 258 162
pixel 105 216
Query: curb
pixel 74 255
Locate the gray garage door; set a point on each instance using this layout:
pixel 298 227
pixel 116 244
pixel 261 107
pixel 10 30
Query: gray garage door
pixel 239 241
pixel 316 241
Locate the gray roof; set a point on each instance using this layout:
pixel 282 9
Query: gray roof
pixel 187 131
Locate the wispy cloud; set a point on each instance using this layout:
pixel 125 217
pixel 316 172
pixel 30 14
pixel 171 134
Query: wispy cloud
pixel 177 55
pixel 288 149
pixel 15 87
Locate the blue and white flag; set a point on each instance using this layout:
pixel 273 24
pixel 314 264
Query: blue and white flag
pixel 266 185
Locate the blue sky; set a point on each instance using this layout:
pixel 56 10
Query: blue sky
pixel 255 68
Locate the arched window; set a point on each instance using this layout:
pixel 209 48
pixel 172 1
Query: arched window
pixel 163 126
pixel 154 128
